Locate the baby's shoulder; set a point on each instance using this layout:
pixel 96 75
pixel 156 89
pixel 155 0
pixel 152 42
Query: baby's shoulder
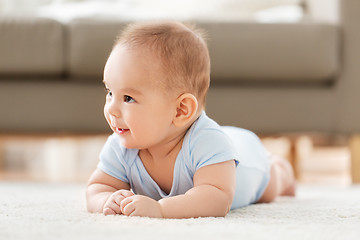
pixel 207 135
pixel 206 143
pixel 204 128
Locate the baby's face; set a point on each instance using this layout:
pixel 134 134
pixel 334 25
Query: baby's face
pixel 136 108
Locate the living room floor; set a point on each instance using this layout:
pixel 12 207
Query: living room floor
pixel 316 158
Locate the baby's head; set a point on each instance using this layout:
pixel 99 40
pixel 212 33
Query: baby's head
pixel 157 76
pixel 180 52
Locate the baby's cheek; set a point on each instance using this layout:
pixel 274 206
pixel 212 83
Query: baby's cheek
pixel 105 112
pixel 107 116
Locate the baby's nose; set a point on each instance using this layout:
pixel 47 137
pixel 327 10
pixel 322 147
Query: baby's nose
pixel 114 111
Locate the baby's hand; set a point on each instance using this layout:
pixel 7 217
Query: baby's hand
pixel 139 205
pixel 112 205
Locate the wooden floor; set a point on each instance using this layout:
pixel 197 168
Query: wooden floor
pixel 50 157
pixel 316 158
pixel 355 158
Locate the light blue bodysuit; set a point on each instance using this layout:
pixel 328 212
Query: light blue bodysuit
pixel 205 143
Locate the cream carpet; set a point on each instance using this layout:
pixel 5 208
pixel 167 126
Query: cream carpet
pixel 57 211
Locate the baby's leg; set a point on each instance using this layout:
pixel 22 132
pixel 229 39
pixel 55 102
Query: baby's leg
pixel 282 180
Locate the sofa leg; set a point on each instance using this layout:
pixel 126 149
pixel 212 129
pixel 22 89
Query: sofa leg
pixel 355 158
pixel 2 141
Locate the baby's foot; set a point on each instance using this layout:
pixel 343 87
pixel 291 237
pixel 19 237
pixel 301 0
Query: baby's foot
pixel 291 188
pixel 290 191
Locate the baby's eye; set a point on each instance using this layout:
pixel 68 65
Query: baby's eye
pixel 128 99
pixel 109 93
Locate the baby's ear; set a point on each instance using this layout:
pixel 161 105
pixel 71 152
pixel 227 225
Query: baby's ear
pixel 186 108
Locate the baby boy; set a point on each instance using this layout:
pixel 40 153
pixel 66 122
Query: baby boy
pixel 166 157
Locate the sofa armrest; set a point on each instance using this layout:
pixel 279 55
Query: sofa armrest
pixel 349 84
pixel 324 10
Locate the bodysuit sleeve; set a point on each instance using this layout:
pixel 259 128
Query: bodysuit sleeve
pixel 112 160
pixel 210 146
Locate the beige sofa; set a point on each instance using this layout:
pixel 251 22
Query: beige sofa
pixel 265 77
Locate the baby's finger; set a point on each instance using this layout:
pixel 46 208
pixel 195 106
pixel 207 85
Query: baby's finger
pixel 113 206
pixel 108 211
pixel 129 209
pixel 126 193
pixel 118 199
pixel 124 203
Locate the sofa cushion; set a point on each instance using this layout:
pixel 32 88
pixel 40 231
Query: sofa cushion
pixel 240 52
pixel 30 46
pixel 300 52
pixel 90 43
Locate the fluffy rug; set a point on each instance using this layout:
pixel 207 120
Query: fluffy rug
pixel 57 211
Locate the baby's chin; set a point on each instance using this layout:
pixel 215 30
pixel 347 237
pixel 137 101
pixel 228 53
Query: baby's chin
pixel 128 144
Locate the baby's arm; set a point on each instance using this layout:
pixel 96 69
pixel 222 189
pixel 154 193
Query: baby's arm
pixel 212 194
pixel 104 193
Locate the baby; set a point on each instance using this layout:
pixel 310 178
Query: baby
pixel 166 157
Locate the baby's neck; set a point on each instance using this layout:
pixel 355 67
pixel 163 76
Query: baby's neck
pixel 163 152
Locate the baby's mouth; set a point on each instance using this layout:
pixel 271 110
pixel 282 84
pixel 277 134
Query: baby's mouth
pixel 121 130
